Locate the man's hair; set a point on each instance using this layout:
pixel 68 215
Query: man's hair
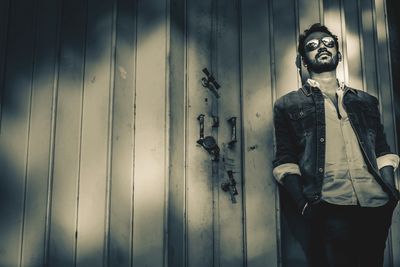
pixel 316 27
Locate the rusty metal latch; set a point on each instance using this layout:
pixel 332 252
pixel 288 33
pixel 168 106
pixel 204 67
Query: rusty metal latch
pixel 230 186
pixel 210 82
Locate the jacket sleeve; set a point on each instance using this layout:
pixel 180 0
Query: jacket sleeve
pixel 286 147
pixel 387 161
pixel 286 156
pixel 381 146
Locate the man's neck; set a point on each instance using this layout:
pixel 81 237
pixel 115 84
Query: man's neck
pixel 327 81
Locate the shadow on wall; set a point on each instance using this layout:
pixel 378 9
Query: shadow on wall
pixel 50 49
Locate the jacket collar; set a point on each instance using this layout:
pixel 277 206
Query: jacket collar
pixel 311 84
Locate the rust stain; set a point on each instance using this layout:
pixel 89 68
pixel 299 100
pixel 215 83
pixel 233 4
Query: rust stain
pixel 253 147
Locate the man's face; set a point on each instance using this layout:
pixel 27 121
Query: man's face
pixel 321 54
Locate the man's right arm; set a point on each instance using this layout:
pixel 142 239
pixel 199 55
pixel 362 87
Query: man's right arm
pixel 286 169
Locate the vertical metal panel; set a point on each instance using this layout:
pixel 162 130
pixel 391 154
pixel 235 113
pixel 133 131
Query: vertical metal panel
pixel 177 136
pixel 94 139
pixel 15 129
pixel 33 247
pixel 285 30
pixel 308 14
pixel 199 184
pixel 230 222
pixel 257 83
pixel 62 243
pixel 121 190
pixel 4 22
pixel 368 47
pixel 150 135
pixel 333 19
pixel 353 43
pixel 384 75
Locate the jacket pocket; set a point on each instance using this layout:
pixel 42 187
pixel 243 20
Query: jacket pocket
pixel 301 113
pixel 302 119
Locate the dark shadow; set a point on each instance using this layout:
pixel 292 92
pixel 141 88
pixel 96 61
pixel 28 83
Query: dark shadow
pixel 394 34
pixel 295 231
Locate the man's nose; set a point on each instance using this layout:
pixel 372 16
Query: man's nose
pixel 322 48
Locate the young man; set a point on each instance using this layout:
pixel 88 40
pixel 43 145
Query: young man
pixel 333 159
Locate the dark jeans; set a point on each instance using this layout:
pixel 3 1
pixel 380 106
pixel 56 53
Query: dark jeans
pixel 348 236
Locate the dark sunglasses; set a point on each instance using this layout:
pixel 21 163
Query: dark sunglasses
pixel 315 43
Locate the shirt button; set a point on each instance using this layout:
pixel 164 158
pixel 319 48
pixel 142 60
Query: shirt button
pixel 320 170
pixel 322 140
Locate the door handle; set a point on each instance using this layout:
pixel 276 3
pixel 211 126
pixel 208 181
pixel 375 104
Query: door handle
pixel 232 122
pixel 200 118
pixel 208 143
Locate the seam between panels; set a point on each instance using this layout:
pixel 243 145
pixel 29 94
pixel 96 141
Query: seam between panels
pixel 361 41
pixel 273 96
pixel 166 130
pixel 106 247
pixel 50 181
pixel 28 137
pixel 185 237
pixel 242 133
pixel 80 135
pixel 344 42
pixel 136 12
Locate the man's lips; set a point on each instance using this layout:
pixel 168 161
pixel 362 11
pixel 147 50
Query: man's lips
pixel 324 53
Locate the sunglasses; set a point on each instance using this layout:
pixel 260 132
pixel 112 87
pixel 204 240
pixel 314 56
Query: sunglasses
pixel 314 43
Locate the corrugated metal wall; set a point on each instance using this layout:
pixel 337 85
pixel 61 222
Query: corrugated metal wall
pixel 99 104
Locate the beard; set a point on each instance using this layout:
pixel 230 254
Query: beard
pixel 318 66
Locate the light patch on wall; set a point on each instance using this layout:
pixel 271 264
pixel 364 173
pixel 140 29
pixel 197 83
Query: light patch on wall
pixel 353 57
pixel 352 41
pixel 333 22
pixel 8 148
pixel 150 45
pixel 367 21
pixel 289 76
pixel 380 27
pixel 150 147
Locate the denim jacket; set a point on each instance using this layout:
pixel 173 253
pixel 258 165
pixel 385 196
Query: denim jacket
pixel 299 119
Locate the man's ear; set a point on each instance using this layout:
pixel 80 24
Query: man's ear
pixel 298 61
pixel 339 56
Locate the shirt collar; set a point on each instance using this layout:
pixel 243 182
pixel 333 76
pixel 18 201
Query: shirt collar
pixel 310 83
pixel 314 83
